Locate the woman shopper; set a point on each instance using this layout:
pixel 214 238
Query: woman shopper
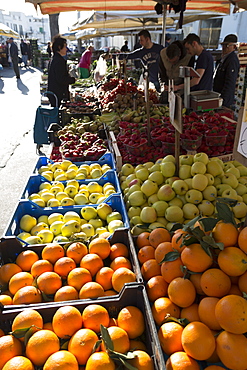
pixel 84 64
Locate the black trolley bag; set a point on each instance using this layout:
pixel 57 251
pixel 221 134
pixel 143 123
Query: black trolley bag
pixel 45 115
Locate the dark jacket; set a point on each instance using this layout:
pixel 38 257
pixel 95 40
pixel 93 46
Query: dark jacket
pixel 13 50
pixel 225 78
pixel 59 79
pixel 24 48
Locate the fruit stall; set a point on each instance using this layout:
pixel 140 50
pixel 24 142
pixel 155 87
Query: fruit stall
pixel 118 257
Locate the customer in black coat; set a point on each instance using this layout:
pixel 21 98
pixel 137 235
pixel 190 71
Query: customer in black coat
pixel 227 71
pixel 58 76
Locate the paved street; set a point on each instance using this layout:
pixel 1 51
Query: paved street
pixel 18 102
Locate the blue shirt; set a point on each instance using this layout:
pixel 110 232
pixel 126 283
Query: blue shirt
pixel 205 61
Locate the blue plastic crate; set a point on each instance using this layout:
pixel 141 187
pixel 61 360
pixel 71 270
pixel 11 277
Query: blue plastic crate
pixel 27 207
pixel 35 181
pixel 107 158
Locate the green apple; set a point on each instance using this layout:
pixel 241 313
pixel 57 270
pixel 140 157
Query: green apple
pixel 113 216
pixel 144 205
pixel 93 198
pixel 94 187
pixel 230 193
pixel 210 193
pixel 27 222
pixel 157 177
pixel 160 207
pixel 190 211
pixel 169 158
pixel 142 174
pixel 137 198
pixel 88 212
pixel 40 202
pixel 214 168
pixel 133 188
pixel 199 182
pixel 241 189
pixel 240 210
pixel 170 180
pixel 235 171
pixel 56 227
pixel 43 218
pixel 166 193
pixel 34 239
pixel 136 220
pixel 65 164
pixel 148 215
pixel 47 196
pixel 71 190
pixel 243 180
pixel 37 228
pixel 206 208
pixel 176 202
pixel 230 179
pixel 129 178
pixel 182 198
pixel 148 164
pixel 201 157
pixel 244 198
pixel 101 230
pixel 173 213
pixel 217 181
pixel 135 182
pixel 139 167
pixel 103 210
pixel 62 177
pixel 198 167
pixel 134 211
pixel 227 166
pixel 96 173
pixel 45 235
pixel 65 202
pixel 189 182
pixel 149 188
pixel 242 170
pixel 239 198
pixel 60 239
pixel 210 178
pixel 114 225
pixel 96 222
pixel 80 199
pixel 136 230
pixel 236 163
pixel 127 169
pixel 71 215
pixel 180 187
pixel 193 196
pixel 186 159
pixel 70 227
pixel 154 168
pixel 162 221
pixel 184 171
pixel 45 185
pixel 221 187
pixel 53 203
pixel 168 169
pixel 60 195
pixel 152 199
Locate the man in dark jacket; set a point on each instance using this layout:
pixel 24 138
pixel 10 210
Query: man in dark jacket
pixel 24 52
pixel 58 76
pixel 13 53
pixel 227 71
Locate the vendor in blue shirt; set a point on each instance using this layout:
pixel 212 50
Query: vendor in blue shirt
pixel 150 55
pixel 204 64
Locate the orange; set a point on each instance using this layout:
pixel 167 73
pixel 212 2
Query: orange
pixel 1 333
pixel 92 262
pixel 66 321
pixel 198 341
pixel 18 363
pixel 169 335
pixel 162 307
pixel 196 280
pixel 122 276
pixel 20 280
pixel 171 269
pixel 76 251
pixel 131 319
pixel 242 238
pixel 177 239
pixel 9 348
pixel 104 277
pixel 61 360
pixel 215 283
pixel 190 313
pixel 52 252
pixel 26 295
pixel 93 315
pixel 112 322
pixel 231 314
pixel 137 344
pixel 181 292
pixel 119 250
pixel 120 262
pixel 233 261
pixel 143 239
pixel 225 233
pixel 100 246
pixel 91 290
pixel 150 269
pixel 162 250
pixel 158 236
pixel 235 290
pixel 232 350
pixel 206 311
pixel 145 254
pixel 49 282
pixel 119 339
pixel 27 318
pixel 242 282
pixel 5 299
pixel 156 287
pixel 100 361
pixel 78 277
pixel 41 345
pixel 195 258
pixel 181 361
pixel 109 292
pixel 214 367
pixel 142 361
pixel 8 270
pixel 66 293
pixel 81 344
pixel 63 266
pixel 41 266
pixel 48 326
pixel 26 259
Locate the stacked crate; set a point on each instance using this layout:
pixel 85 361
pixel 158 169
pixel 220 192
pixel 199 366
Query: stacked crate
pixel 241 83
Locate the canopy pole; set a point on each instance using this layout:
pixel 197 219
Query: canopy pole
pixel 164 25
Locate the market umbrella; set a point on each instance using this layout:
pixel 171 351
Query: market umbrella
pixel 8 32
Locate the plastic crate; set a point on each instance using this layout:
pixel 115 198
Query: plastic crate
pixel 27 207
pixel 35 181
pixel 191 144
pixel 139 150
pixel 131 295
pixel 107 158
pixel 168 148
pixel 215 140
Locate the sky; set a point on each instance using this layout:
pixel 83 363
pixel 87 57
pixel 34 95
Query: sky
pixel 66 19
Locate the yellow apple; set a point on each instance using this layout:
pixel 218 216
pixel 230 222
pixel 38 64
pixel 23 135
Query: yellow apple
pixel 27 222
pixel 46 236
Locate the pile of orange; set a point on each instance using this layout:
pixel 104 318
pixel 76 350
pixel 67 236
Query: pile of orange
pixel 209 296
pixel 81 330
pixel 79 272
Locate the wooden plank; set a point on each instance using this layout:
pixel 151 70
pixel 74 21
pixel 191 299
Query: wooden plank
pixel 118 157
